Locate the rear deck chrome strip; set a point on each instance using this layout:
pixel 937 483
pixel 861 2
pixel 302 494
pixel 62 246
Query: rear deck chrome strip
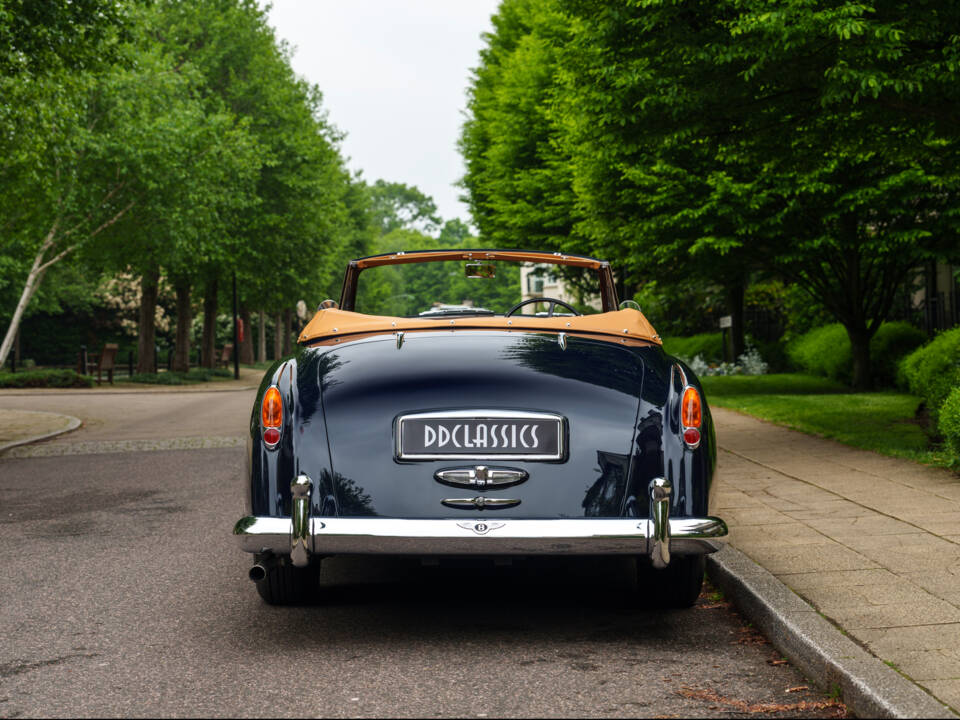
pixel 487 536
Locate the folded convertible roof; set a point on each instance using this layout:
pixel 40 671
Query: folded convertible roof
pixel 627 324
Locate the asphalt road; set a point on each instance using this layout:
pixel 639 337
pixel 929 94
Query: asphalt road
pixel 117 415
pixel 122 593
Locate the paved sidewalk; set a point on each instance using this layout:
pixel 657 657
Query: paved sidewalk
pixel 872 542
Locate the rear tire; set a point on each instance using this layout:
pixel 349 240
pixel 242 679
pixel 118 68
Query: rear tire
pixel 676 586
pixel 286 584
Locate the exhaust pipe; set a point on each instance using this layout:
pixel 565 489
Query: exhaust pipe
pixel 258 572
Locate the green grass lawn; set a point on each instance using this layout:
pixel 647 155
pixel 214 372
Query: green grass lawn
pixel 884 422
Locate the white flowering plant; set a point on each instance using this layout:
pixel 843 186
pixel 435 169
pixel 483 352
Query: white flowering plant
pixel 750 363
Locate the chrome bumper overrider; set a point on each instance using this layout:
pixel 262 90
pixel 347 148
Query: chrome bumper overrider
pixel 475 536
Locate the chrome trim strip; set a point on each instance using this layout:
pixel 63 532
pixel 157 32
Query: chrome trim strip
pixel 480 503
pixel 479 414
pixel 301 540
pixel 499 536
pixel 480 477
pixel 683 376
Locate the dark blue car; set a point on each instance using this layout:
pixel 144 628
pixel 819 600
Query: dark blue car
pixel 438 426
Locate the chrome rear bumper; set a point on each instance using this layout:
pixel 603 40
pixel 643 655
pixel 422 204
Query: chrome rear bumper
pixel 487 536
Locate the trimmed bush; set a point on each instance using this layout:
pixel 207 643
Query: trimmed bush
pixel 933 371
pixel 45 379
pixel 825 351
pixel 892 343
pixel 950 424
pixel 708 346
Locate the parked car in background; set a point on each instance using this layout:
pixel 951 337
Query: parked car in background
pixel 449 428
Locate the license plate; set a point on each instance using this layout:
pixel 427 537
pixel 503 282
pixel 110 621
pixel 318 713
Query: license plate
pixel 480 434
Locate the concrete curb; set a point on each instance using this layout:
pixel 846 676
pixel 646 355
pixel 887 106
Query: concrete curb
pixel 73 424
pixel 869 687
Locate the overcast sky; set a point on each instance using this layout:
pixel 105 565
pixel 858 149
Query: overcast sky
pixel 393 75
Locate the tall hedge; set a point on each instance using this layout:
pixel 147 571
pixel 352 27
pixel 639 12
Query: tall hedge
pixel 933 371
pixel 826 351
pixel 950 424
pixel 45 378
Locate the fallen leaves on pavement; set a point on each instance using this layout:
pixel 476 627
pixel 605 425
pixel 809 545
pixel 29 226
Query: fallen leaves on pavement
pixel 751 636
pixel 743 706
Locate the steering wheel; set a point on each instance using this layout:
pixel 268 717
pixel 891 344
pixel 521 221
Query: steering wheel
pixel 552 302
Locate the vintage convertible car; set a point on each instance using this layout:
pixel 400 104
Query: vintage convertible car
pixel 457 430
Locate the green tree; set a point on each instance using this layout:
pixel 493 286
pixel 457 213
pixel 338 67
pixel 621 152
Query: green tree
pixel 192 172
pixel 518 181
pixel 37 38
pixel 59 184
pixel 406 290
pixel 453 232
pixel 287 243
pixel 715 138
pixel 395 205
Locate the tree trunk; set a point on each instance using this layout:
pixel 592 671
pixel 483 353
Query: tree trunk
pixel 262 336
pixel 860 350
pixel 29 290
pixel 209 346
pixel 287 322
pixel 277 336
pixel 147 328
pixel 181 358
pixel 41 262
pixel 246 345
pixel 735 295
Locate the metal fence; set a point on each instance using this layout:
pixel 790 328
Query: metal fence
pixel 125 364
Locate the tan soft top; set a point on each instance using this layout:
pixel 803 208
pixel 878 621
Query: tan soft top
pixel 621 323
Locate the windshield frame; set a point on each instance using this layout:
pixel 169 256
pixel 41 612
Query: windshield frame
pixel 608 290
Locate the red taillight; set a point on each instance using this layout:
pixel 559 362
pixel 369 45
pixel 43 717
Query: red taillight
pixel 271 416
pixel 690 415
pixel 271 411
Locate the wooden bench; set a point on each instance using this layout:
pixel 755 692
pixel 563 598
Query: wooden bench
pixel 226 354
pixel 104 361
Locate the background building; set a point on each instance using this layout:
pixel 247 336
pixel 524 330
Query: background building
pixel 540 281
